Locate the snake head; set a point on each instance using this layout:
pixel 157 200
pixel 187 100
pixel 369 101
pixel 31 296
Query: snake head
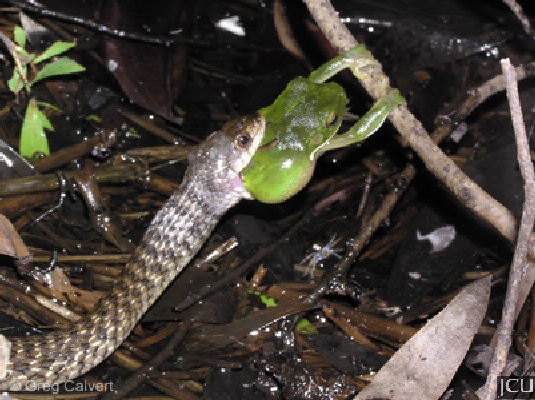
pixel 245 133
pixel 218 161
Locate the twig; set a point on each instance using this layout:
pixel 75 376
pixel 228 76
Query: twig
pixel 141 374
pixel 86 258
pixel 524 233
pixel 242 269
pixel 377 84
pixel 524 20
pixel 67 154
pixel 364 236
pixel 112 32
pixel 459 112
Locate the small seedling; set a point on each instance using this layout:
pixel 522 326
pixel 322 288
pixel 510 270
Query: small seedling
pixel 29 69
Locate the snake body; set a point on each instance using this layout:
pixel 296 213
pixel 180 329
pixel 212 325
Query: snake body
pixel 211 185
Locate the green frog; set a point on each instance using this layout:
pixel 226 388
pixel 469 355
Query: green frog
pixel 303 123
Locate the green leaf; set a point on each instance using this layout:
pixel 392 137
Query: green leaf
pixel 20 36
pixel 304 326
pixel 54 50
pixel 50 106
pixel 61 66
pixel 45 123
pixel 268 301
pixel 33 138
pixel 94 118
pixel 15 83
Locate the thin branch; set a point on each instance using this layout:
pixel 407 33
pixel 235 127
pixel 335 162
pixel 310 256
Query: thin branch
pixel 519 14
pixel 467 191
pixel 524 233
pixel 459 111
pixel 377 84
pixel 141 374
pixel 104 29
pixel 362 239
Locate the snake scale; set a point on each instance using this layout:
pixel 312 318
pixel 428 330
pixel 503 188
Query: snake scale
pixel 211 185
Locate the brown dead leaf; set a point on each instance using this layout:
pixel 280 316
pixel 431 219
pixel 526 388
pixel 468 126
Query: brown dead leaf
pixel 5 349
pixel 11 243
pixel 424 366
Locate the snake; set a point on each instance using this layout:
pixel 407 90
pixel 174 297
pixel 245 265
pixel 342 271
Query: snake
pixel 211 185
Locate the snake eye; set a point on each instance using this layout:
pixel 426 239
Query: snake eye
pixel 243 140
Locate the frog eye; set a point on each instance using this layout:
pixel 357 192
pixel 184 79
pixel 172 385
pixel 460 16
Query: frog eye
pixel 331 120
pixel 243 140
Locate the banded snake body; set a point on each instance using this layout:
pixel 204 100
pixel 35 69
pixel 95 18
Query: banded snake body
pixel 212 184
